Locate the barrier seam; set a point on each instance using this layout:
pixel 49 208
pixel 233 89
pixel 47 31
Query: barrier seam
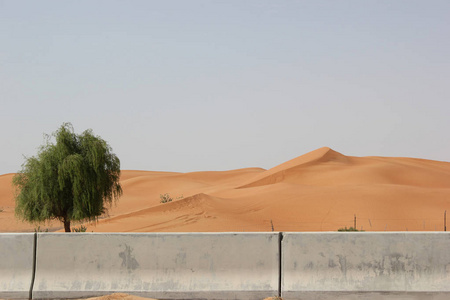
pixel 280 271
pixel 33 273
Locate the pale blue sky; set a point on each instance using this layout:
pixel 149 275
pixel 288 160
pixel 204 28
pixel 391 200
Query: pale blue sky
pixel 217 85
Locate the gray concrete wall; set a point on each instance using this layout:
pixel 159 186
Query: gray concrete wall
pixel 163 266
pixel 16 265
pixel 227 265
pixel 366 266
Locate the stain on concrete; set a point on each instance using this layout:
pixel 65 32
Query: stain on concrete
pixel 128 260
pixel 309 266
pixel 331 263
pixel 343 264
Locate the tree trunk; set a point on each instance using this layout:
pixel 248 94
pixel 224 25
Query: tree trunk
pixel 67 225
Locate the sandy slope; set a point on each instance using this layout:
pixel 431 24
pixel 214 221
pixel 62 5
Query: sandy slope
pixel 321 190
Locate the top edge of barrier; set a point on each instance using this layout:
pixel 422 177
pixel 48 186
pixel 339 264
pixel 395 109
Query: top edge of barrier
pixel 160 233
pixel 239 232
pixel 231 233
pixel 367 232
pixel 17 233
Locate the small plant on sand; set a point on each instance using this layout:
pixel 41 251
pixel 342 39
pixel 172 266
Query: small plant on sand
pixel 351 229
pixel 165 198
pixel 1 210
pixel 38 229
pixel 80 229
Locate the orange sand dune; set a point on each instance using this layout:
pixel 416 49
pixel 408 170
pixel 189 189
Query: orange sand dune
pixel 319 191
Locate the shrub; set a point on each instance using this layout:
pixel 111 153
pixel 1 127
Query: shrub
pixel 349 229
pixel 80 229
pixel 38 229
pixel 165 198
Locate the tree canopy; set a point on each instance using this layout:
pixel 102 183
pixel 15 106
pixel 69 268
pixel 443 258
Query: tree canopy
pixel 75 179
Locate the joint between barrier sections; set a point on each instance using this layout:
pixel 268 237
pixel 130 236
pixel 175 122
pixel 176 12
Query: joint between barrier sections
pixel 33 272
pixel 280 255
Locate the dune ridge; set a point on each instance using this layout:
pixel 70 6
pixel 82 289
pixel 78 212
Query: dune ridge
pixel 319 191
pixel 293 166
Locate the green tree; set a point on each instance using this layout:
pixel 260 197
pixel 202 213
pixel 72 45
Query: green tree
pixel 75 179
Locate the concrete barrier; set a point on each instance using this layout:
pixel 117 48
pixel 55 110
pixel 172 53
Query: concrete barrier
pixel 366 266
pixel 158 265
pixel 227 265
pixel 16 265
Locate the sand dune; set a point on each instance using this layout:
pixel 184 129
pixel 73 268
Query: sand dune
pixel 319 191
pixel 326 167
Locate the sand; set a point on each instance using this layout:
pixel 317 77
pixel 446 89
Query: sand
pixel 319 191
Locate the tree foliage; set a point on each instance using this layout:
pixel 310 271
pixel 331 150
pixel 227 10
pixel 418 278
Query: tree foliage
pixel 75 179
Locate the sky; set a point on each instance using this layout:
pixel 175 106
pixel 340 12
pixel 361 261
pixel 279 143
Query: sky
pixel 219 85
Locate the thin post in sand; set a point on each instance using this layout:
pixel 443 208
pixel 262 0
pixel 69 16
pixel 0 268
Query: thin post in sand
pixel 445 220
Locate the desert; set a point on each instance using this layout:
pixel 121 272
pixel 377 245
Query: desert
pixel 322 190
pixel 221 149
